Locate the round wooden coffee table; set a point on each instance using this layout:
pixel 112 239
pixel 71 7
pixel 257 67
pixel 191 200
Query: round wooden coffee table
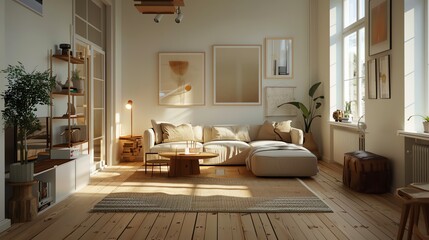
pixel 182 164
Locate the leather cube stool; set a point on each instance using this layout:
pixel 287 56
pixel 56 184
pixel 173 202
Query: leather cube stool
pixel 366 172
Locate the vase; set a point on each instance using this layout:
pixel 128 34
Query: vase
pixel 21 172
pixel 426 127
pixel 311 145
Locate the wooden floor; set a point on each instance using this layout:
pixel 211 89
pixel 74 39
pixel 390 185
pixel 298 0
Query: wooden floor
pixel 355 216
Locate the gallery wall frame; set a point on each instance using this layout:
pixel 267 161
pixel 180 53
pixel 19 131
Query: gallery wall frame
pixel 34 5
pixel 379 26
pixel 237 75
pixel 372 79
pixel 278 58
pixel 181 78
pixel 383 68
pixel 274 96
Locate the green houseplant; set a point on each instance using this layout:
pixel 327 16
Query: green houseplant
pixel 425 122
pixel 309 114
pixel 25 90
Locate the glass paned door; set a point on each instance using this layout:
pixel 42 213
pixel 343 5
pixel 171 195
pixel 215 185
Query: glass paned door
pixel 98 107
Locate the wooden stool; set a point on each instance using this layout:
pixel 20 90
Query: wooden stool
pixel 366 172
pixel 22 204
pixel 413 198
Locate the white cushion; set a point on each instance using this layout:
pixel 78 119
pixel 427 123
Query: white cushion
pixel 173 146
pixel 230 152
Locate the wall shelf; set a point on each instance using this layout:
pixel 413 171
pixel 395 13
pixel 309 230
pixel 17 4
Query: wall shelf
pixel 73 60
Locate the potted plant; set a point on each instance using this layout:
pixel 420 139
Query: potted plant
pixel 309 114
pixel 25 90
pixel 425 122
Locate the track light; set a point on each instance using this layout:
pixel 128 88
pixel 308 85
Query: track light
pixel 179 15
pixel 158 18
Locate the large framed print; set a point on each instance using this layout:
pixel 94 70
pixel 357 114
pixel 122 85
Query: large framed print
pixel 34 5
pixel 181 78
pixel 237 74
pixel 372 79
pixel 384 77
pixel 379 26
pixel 278 58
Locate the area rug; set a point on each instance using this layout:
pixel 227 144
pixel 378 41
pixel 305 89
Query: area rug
pixel 205 194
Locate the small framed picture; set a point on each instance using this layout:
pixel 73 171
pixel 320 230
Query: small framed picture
pixel 384 77
pixel 278 58
pixel 372 79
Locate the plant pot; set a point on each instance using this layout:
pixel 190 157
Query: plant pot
pixel 426 127
pixel 311 145
pixel 21 172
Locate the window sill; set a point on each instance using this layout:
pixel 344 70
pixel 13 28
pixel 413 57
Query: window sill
pixel 352 125
pixel 416 135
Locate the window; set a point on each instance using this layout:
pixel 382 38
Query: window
pixel 347 57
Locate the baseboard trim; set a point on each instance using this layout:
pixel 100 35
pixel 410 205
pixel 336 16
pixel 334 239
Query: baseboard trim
pixel 4 224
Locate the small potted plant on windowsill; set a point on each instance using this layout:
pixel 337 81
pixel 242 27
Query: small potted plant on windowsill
pixel 425 122
pixel 25 90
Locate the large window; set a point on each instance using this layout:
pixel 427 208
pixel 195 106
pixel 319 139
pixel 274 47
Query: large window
pixel 353 67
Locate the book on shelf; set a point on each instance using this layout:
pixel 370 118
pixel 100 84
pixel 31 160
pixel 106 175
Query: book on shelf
pixel 44 194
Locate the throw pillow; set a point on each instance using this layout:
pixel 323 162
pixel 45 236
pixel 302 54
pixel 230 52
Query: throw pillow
pixel 172 133
pixel 237 133
pixel 283 131
pixel 266 131
pixel 156 125
pixel 198 133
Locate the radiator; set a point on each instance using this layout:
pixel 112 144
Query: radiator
pixel 420 158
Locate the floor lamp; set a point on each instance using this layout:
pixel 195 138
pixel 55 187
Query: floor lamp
pixel 129 106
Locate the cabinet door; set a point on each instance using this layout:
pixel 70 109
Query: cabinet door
pixel 65 180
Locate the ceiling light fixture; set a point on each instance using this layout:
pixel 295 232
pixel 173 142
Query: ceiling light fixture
pixel 158 18
pixel 179 15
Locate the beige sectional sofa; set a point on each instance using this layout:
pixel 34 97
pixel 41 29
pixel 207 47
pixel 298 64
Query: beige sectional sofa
pixel 236 145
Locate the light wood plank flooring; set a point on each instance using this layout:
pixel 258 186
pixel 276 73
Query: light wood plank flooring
pixel 355 216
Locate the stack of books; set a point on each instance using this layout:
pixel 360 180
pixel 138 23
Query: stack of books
pixel 44 195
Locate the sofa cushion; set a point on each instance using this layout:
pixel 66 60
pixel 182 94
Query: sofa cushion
pixel 156 125
pixel 172 133
pixel 238 133
pixel 230 152
pixel 266 131
pixel 175 146
pixel 198 133
pixel 283 130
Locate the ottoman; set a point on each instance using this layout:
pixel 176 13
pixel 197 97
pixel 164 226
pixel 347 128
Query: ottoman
pixel 366 172
pixel 283 161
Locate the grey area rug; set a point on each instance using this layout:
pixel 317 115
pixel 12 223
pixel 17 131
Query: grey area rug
pixel 214 195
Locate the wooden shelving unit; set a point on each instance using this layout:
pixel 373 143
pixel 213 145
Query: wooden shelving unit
pixel 71 94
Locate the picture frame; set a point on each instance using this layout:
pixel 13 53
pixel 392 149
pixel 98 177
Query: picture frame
pixel 278 58
pixel 181 78
pixel 34 5
pixel 274 96
pixel 379 26
pixel 237 75
pixel 372 79
pixel 384 77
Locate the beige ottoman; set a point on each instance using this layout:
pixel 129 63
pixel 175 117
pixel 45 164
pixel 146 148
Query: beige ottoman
pixel 282 161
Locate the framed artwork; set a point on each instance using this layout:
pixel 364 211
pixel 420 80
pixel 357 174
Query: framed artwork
pixel 278 58
pixel 372 79
pixel 277 95
pixel 34 5
pixel 181 79
pixel 384 77
pixel 379 26
pixel 237 74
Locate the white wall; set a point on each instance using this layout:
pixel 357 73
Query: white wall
pixel 27 37
pixel 205 23
pixel 383 116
